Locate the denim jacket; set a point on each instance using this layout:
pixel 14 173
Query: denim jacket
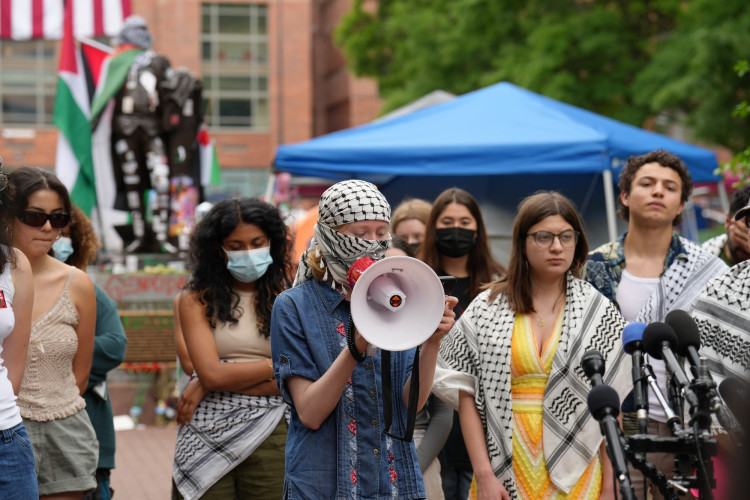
pixel 349 456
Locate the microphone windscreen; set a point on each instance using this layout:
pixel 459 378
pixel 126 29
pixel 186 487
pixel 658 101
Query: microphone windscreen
pixel 686 328
pixel 592 362
pixel 654 335
pixel 632 333
pixel 601 398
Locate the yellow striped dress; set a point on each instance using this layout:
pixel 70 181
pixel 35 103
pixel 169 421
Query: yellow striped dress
pixel 529 374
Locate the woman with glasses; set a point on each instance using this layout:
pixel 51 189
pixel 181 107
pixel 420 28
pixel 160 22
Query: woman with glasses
pixel 512 363
pixel 17 474
pixel 62 341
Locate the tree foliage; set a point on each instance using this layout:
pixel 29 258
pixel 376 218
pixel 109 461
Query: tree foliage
pixel 627 59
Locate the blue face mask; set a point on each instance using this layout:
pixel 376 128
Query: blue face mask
pixel 63 248
pixel 248 265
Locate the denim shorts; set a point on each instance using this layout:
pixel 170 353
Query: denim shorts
pixel 66 453
pixel 17 473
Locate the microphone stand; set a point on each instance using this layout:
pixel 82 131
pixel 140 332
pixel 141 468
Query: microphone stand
pixel 692 447
pixel 673 421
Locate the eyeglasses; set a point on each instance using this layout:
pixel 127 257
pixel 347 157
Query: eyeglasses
pixel 545 239
pixel 39 219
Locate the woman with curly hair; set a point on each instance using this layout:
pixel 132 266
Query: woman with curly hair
pixel 232 426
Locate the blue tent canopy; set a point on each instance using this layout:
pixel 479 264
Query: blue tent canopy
pixel 500 130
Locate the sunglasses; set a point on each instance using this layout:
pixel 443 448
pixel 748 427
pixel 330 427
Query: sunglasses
pixel 38 219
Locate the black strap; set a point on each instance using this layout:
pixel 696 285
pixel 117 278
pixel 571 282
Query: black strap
pixel 411 415
pixel 358 356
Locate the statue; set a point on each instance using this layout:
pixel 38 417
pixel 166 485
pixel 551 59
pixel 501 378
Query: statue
pixel 155 119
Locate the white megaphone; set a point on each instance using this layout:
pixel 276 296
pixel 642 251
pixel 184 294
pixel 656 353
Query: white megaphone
pixel 397 303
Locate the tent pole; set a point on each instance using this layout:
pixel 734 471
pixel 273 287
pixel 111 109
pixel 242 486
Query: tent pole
pixel 268 196
pixel 609 201
pixel 722 190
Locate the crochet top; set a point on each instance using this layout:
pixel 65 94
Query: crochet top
pixel 49 390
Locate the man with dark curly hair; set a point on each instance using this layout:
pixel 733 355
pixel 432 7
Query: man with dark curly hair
pixel 732 245
pixel 651 270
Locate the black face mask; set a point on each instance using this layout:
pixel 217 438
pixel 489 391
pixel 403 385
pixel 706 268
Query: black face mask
pixel 414 247
pixel 455 241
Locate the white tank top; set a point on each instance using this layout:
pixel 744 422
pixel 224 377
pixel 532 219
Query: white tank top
pixel 10 415
pixel 632 294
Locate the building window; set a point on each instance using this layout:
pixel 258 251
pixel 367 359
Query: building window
pixel 28 79
pixel 234 66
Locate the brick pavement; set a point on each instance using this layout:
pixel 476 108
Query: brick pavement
pixel 143 463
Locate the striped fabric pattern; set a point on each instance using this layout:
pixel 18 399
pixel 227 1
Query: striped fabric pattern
pixel 529 376
pixel 43 19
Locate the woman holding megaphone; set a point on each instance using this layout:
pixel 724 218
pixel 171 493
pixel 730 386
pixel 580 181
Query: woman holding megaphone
pixel 511 365
pixel 337 445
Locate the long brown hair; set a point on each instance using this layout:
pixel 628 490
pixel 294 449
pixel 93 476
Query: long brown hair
pixel 482 267
pixel 516 285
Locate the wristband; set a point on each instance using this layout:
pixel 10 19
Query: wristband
pixel 358 357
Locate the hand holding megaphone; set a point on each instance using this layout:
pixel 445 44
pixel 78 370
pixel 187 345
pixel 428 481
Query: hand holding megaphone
pixel 398 303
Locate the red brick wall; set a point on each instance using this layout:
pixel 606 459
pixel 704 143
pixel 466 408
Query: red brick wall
pixel 341 99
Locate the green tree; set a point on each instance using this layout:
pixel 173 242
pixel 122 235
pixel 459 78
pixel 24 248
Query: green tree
pixel 740 165
pixel 625 59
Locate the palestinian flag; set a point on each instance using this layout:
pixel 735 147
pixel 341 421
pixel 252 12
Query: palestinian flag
pixel 74 163
pixel 210 175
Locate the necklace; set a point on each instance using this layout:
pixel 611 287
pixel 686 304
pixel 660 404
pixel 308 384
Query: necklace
pixel 540 321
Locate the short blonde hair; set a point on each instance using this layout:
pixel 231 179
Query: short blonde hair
pixel 413 208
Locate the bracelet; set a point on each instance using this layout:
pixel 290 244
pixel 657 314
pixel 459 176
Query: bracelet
pixel 270 365
pixel 358 357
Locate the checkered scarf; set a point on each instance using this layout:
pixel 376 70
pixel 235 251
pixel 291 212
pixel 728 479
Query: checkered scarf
pixel 225 429
pixel 681 284
pixel 343 203
pixel 475 358
pixel 723 317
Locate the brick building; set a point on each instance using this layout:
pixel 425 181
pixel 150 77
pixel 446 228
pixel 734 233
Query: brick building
pixel 270 70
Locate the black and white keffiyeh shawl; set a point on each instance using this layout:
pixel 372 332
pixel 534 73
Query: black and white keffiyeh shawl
pixel 226 428
pixel 475 357
pixel 723 317
pixel 681 283
pixel 343 203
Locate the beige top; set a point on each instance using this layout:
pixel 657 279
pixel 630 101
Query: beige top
pixel 49 390
pixel 242 341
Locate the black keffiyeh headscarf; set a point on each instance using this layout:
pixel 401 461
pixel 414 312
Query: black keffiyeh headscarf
pixel 343 203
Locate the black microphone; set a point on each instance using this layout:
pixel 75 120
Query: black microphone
pixel 592 363
pixel 660 341
pixel 604 405
pixel 689 343
pixel 688 335
pixel 632 336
